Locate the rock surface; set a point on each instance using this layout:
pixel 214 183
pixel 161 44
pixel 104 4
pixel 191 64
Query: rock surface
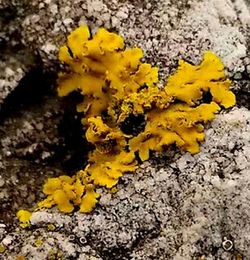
pixel 176 206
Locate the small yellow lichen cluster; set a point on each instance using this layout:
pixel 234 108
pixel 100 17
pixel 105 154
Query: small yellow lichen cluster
pixel 66 191
pixel 2 249
pixel 115 83
pixel 24 218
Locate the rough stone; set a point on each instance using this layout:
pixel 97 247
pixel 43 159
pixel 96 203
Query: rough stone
pixel 176 206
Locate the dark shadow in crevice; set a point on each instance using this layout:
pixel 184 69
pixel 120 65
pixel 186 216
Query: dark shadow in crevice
pixel 75 151
pixel 33 90
pixel 242 91
pixel 242 99
pixel 30 91
pixel 7 14
pixel 206 97
pixel 133 125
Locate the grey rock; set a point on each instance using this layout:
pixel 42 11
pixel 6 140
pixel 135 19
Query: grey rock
pixel 176 206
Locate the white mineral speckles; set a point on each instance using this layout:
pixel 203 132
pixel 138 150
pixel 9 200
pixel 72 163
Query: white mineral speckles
pixel 9 77
pixel 67 21
pixel 54 9
pixel 105 200
pixel 57 26
pixel 248 69
pixel 87 257
pixel 242 12
pixel 48 48
pixel 95 6
pixel 2 226
pixel 2 182
pixel 39 126
pixel 9 72
pixel 34 18
pixel 242 161
pixel 41 5
pixel 230 184
pixel 40 217
pixel 7 240
pixel 115 21
pixel 2 83
pixel 123 14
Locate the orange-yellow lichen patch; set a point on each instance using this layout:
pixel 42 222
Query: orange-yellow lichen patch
pixel 65 192
pixel 105 138
pixel 117 85
pixel 106 169
pixel 89 200
pixel 79 190
pixel 143 101
pixel 20 257
pixel 2 249
pixel 180 124
pixel 51 227
pixel 24 218
pixel 38 242
pixel 190 81
pixel 100 68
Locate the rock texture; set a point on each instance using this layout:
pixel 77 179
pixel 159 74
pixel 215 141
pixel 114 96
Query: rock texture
pixel 176 206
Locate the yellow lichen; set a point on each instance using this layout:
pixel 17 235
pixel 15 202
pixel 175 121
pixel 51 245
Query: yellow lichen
pixel 180 124
pixel 20 257
pixel 2 249
pixel 140 102
pixel 51 227
pixel 89 199
pixel 190 82
pixel 113 190
pixel 24 218
pixel 38 242
pixel 55 254
pixel 116 84
pixel 101 69
pixel 106 169
pixel 65 192
pixel 104 137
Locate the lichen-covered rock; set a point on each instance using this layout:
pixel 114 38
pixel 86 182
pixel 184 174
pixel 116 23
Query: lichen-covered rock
pixel 106 73
pixel 182 206
pixel 176 207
